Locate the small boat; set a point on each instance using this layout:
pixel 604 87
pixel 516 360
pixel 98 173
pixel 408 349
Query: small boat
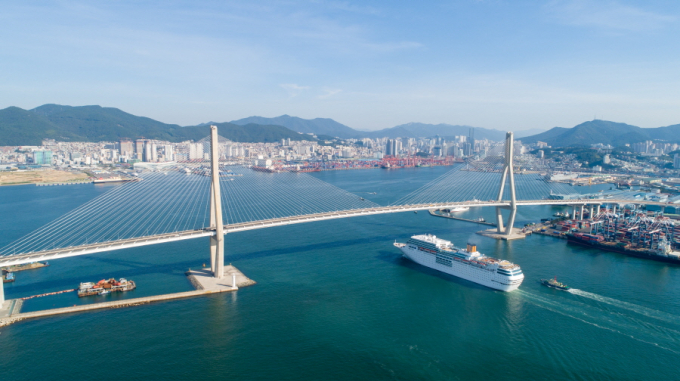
pixel 104 292
pixel 553 283
pixel 456 209
pixel 481 219
pixel 8 278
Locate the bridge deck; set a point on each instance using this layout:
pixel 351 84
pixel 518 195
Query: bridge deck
pixel 46 255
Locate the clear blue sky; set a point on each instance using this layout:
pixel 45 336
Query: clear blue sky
pixel 369 64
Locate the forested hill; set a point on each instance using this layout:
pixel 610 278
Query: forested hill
pixel 96 123
pixel 319 126
pixel 605 132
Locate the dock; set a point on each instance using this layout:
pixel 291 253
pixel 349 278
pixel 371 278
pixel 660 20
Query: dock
pixel 515 234
pixel 434 213
pixel 27 266
pixel 202 280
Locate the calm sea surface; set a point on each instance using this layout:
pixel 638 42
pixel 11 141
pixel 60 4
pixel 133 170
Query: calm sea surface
pixel 335 300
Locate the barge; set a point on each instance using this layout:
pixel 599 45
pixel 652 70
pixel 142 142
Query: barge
pixel 104 287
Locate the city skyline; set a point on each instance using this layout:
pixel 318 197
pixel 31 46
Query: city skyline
pixel 489 64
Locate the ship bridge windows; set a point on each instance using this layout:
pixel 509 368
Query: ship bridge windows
pixel 512 272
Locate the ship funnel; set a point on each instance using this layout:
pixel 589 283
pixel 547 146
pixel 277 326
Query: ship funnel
pixel 471 248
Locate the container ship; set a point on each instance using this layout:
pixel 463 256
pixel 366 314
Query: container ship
pixel 468 263
pixel 105 286
pixel 662 251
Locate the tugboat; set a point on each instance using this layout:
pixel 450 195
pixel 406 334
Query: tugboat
pixel 553 283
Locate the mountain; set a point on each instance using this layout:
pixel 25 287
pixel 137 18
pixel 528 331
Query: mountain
pixel 605 132
pixel 417 130
pixel 96 123
pixel 318 126
pixel 22 127
pixel 523 133
pixel 324 126
pixel 252 132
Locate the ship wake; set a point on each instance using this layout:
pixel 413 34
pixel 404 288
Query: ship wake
pixel 648 312
pixel 614 318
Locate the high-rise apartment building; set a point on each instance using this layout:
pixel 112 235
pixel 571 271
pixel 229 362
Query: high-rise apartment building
pixel 126 148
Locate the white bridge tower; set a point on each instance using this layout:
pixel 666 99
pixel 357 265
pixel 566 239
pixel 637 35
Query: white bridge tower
pixel 508 173
pixel 216 222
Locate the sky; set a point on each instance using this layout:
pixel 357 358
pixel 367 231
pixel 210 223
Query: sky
pixel 508 65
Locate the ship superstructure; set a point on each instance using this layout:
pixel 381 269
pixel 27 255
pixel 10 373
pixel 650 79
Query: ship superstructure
pixel 468 263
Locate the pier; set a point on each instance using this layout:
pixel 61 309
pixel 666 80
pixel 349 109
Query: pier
pixel 203 281
pixel 434 213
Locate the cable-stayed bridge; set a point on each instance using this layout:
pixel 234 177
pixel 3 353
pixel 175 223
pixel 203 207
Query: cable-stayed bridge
pixel 180 201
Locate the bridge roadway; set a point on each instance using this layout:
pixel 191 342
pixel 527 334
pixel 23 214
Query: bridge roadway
pixel 72 251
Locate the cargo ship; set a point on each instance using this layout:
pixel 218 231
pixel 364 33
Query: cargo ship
pixel 662 253
pixel 104 287
pixel 468 263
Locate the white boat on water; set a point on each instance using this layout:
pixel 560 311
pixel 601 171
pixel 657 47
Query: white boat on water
pixel 456 209
pixel 468 263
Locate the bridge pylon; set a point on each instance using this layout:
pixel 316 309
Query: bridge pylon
pixel 508 174
pixel 216 222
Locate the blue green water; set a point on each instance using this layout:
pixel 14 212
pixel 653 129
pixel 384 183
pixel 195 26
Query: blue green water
pixel 334 300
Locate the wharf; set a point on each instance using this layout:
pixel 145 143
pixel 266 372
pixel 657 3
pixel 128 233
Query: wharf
pixel 64 183
pixel 434 213
pixel 27 266
pixel 205 284
pixel 515 234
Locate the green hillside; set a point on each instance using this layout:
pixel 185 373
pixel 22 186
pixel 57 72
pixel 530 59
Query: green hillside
pixel 317 126
pixel 96 123
pixel 605 132
pixel 22 127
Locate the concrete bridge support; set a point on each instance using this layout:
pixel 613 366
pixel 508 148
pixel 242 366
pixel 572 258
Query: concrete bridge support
pixel 2 292
pixel 508 173
pixel 216 222
pixel 580 216
pixel 591 216
pixel 598 208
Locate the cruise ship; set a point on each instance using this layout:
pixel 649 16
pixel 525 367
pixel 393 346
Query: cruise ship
pixel 468 263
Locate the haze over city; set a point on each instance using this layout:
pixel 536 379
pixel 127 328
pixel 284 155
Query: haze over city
pixel 370 65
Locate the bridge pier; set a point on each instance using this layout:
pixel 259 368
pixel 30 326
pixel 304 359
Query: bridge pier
pixel 505 231
pixel 509 174
pixel 2 292
pixel 216 222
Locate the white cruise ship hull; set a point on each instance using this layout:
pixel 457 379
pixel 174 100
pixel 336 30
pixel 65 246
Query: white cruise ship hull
pixel 460 269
